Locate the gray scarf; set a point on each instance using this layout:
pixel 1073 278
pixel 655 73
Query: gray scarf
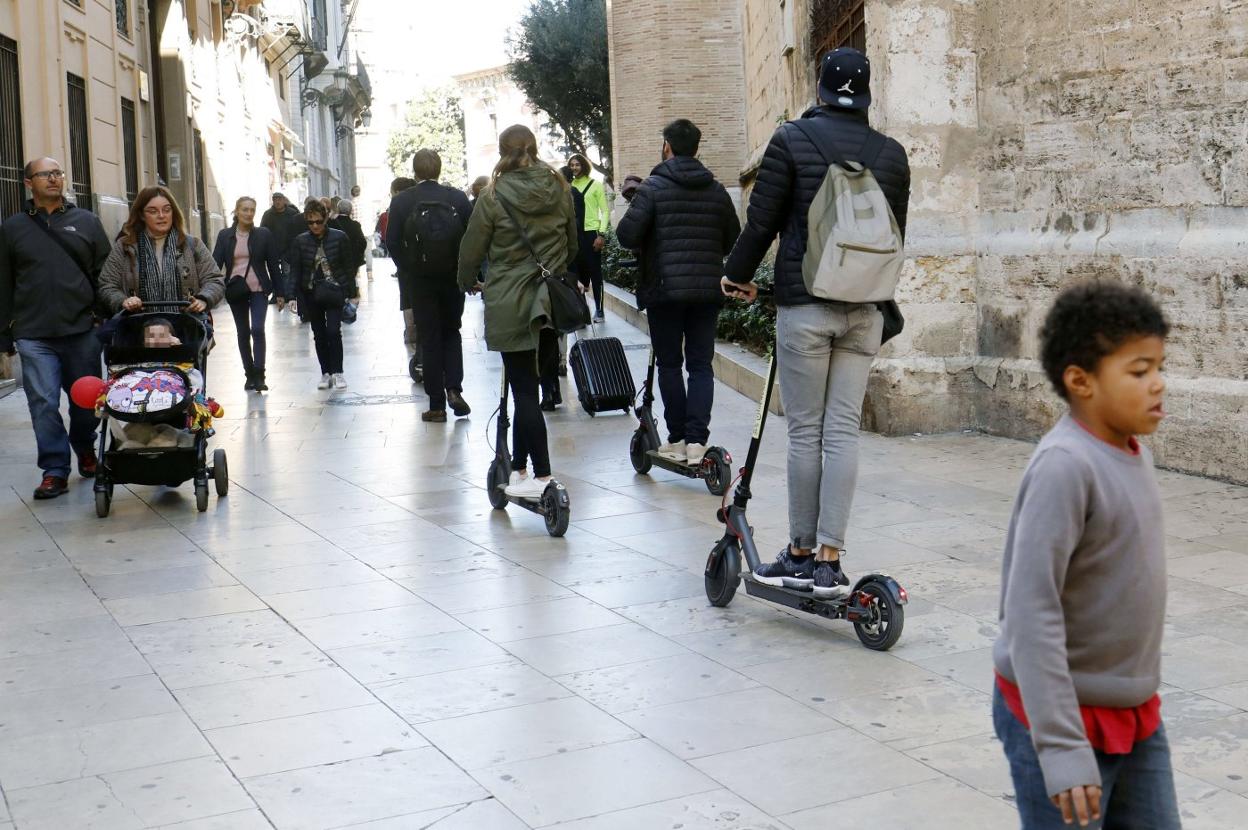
pixel 159 281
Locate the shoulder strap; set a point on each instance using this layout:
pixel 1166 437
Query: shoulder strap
pixel 823 144
pixel 585 192
pixel 872 147
pixel 62 244
pixel 523 233
pixel 867 156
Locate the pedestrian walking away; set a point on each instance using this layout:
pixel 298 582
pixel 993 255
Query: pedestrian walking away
pixel 285 222
pixel 51 255
pixel 250 260
pixel 824 348
pixel 345 222
pixel 593 218
pixel 322 267
pixel 517 303
pixel 153 260
pixel 1075 702
pixel 427 224
pixel 682 224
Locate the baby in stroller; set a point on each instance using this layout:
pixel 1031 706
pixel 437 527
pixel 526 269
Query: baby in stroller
pixel 155 417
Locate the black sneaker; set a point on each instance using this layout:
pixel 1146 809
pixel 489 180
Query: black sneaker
pixel 788 571
pixel 830 581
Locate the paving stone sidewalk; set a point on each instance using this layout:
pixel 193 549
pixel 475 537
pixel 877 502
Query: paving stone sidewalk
pixel 353 638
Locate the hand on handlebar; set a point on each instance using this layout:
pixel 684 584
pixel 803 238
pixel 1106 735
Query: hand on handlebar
pixel 197 306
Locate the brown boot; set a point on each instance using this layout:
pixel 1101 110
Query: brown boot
pixel 436 416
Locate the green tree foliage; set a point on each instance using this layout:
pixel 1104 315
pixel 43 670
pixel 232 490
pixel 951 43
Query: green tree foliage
pixel 559 59
pixel 434 121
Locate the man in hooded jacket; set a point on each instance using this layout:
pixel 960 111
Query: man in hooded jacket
pixel 682 223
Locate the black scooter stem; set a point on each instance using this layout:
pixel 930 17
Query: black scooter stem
pixel 742 495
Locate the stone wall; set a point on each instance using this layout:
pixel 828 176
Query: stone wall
pixel 661 70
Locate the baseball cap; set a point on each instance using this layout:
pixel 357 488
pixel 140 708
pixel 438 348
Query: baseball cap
pixel 845 79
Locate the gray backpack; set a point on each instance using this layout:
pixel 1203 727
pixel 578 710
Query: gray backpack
pixel 854 250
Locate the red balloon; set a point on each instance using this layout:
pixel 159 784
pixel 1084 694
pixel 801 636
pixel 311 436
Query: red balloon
pixel 86 391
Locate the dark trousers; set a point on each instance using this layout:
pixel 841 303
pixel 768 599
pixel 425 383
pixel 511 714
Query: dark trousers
pixel 327 334
pixel 684 333
pixel 589 265
pixel 528 429
pixel 249 316
pixel 1137 789
pixel 438 315
pixel 50 366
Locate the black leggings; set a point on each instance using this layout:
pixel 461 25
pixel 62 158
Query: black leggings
pixel 589 265
pixel 528 432
pixel 249 317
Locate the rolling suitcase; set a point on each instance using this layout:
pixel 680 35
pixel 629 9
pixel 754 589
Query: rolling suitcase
pixel 603 380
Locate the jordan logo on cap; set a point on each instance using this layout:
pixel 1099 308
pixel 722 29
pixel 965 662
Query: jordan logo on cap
pixel 847 87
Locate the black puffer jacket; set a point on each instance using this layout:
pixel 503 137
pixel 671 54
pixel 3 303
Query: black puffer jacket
pixel 788 179
pixel 684 224
pixel 338 251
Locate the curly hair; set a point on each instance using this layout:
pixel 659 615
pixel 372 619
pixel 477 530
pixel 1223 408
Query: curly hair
pixel 1089 321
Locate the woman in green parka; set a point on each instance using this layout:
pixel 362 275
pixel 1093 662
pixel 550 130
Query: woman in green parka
pixel 517 303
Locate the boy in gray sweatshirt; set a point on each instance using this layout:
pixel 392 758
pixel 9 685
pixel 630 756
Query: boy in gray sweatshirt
pixel 1083 585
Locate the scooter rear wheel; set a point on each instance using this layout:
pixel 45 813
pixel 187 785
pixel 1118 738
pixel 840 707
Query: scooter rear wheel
pixel 716 471
pixel 723 573
pixel 495 480
pixel 556 510
pixel 887 618
pixel 638 452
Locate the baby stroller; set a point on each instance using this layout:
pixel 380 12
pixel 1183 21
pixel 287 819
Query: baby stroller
pixel 155 420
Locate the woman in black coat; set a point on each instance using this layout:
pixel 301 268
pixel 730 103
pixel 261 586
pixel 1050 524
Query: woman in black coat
pixel 322 271
pixel 249 258
pixel 345 222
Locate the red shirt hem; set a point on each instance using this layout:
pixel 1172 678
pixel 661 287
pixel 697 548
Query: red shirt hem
pixel 1110 730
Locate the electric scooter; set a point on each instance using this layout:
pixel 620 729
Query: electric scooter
pixel 554 505
pixel 643 447
pixel 875 605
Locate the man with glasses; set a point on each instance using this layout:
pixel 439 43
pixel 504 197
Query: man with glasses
pixel 51 254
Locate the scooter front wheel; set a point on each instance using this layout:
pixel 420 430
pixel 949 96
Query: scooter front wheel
pixel 495 480
pixel 638 452
pixel 883 617
pixel 556 510
pixel 723 573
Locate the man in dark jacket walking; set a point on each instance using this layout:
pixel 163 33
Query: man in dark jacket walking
pixel 824 349
pixel 441 214
pixel 683 223
pixel 51 254
pixel 285 222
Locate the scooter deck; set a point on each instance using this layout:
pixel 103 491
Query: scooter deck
pixel 674 465
pixel 837 608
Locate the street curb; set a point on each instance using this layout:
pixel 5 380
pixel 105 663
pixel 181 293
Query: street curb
pixel 735 367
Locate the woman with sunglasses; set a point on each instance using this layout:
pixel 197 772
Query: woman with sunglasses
pixel 153 260
pixel 322 272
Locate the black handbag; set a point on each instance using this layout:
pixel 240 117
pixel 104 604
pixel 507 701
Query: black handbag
pixel 236 290
pixel 893 321
pixel 569 311
pixel 328 294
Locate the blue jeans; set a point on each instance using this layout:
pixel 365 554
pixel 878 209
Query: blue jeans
pixel 249 317
pixel 49 366
pixel 684 334
pixel 1137 789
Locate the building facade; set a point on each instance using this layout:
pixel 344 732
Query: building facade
pixel 491 102
pixel 1048 143
pixel 214 98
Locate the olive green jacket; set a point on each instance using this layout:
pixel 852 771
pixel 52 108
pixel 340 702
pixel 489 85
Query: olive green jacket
pixel 517 304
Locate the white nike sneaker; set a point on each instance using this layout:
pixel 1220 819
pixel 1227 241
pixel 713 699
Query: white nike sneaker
pixel 340 382
pixel 675 452
pixel 527 488
pixel 694 453
pixel 325 382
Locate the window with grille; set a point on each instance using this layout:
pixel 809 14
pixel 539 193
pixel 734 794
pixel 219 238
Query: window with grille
pixel 201 186
pixel 79 141
pixel 123 17
pixel 837 23
pixel 130 146
pixel 12 187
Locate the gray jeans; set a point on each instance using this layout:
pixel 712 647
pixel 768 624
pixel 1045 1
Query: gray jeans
pixel 823 354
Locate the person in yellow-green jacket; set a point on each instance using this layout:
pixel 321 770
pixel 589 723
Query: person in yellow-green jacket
pixel 593 220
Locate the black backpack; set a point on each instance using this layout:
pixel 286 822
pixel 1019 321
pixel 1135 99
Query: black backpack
pixel 431 236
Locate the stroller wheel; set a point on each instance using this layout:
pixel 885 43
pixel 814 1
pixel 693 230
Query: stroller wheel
pixel 220 473
pixel 103 503
pixel 201 496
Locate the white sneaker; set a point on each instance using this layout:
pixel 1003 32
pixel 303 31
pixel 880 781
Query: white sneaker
pixel 527 488
pixel 325 382
pixel 340 382
pixel 694 453
pixel 675 452
pixel 517 477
